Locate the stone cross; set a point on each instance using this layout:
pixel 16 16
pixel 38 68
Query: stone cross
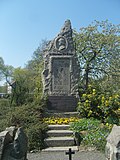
pixel 70 152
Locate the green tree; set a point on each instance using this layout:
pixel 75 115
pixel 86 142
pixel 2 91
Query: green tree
pixel 1 67
pixel 35 67
pixel 20 86
pixel 98 49
pixel 37 57
pixel 6 71
pixel 3 89
pixel 26 82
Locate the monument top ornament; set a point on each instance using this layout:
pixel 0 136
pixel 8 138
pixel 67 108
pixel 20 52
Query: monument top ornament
pixel 63 42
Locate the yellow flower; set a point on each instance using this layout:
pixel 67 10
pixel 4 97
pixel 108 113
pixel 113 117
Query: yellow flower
pixel 90 112
pixel 116 96
pixel 87 101
pixel 84 95
pixel 110 98
pixel 106 103
pixel 107 124
pixel 94 90
pixel 103 99
pixel 89 85
pixel 89 95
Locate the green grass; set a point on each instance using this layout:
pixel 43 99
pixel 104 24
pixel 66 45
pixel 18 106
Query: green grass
pixel 92 131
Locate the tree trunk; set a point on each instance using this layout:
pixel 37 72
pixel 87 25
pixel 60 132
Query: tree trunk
pixel 86 76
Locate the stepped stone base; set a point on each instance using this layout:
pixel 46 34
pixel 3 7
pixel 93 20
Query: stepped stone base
pixel 58 149
pixel 59 136
pixel 62 103
pixel 59 141
pixel 54 113
pixel 59 127
pixel 59 133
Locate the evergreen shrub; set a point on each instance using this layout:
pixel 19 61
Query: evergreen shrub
pixel 30 117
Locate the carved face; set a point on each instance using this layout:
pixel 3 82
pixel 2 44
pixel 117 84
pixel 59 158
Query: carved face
pixel 61 43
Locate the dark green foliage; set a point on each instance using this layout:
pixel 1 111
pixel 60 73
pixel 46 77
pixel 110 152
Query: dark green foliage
pixel 3 89
pixel 36 134
pixel 85 124
pixel 26 106
pixel 92 131
pixel 4 106
pixel 96 138
pixel 4 109
pixel 30 117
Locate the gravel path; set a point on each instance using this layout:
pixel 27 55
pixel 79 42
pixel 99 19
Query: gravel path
pixel 61 156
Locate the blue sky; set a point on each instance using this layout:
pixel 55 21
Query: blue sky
pixel 24 23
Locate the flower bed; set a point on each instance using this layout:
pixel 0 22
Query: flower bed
pixel 60 121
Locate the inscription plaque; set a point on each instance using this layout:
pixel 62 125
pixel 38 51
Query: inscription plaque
pixel 61 68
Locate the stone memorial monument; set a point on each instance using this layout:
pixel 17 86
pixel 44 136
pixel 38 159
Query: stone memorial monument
pixel 61 71
pixel 112 148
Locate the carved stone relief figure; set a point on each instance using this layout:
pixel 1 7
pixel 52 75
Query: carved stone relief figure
pixel 61 43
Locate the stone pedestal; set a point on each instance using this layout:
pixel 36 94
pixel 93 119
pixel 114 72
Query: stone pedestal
pixel 62 103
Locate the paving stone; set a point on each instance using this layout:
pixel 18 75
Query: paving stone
pixel 81 155
pixel 59 149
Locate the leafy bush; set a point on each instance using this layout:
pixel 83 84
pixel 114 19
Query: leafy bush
pixel 4 109
pixel 30 117
pixel 85 124
pixel 36 135
pixel 96 138
pixel 4 106
pixel 101 106
pixel 93 132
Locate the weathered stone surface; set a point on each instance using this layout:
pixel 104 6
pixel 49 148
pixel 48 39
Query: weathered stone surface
pixel 15 144
pixel 113 144
pixel 5 139
pixel 61 67
pixel 59 135
pixel 12 130
pixel 62 103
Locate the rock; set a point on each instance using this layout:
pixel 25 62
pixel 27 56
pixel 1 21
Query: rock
pixel 112 149
pixel 5 139
pixel 14 144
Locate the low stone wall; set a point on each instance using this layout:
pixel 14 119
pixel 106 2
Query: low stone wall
pixel 13 144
